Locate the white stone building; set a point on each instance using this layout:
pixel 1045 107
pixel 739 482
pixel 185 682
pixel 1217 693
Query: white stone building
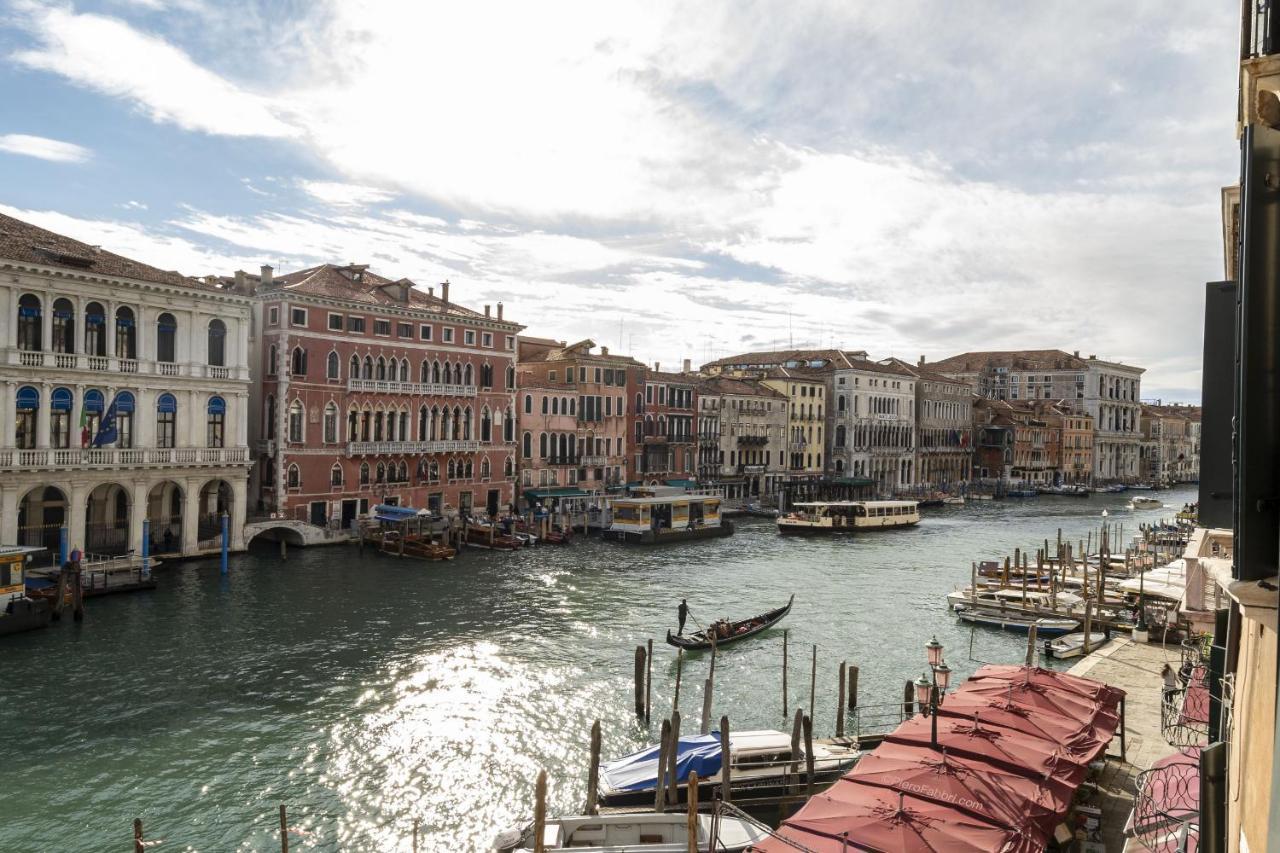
pixel 873 412
pixel 85 329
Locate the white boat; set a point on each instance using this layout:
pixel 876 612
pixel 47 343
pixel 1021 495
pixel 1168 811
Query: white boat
pixel 654 519
pixel 979 496
pixel 1010 621
pixel 1145 503
pixel 954 501
pixel 1010 598
pixel 623 833
pixel 844 516
pixel 1072 645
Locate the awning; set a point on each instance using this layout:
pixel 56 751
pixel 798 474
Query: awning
pixel 556 493
pixel 387 512
pixel 682 484
pixel 853 481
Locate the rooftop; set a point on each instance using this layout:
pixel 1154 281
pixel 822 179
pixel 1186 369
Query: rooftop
pixel 1036 359
pixel 737 387
pixel 775 358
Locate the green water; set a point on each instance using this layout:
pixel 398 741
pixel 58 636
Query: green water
pixel 366 692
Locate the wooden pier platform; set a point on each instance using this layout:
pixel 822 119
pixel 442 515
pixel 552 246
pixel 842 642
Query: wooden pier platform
pixel 1134 668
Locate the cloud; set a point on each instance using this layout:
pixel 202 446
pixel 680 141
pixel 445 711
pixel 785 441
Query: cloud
pixel 109 56
pixel 43 148
pixel 339 194
pixel 134 205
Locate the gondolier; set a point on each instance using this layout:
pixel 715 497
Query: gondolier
pixel 683 612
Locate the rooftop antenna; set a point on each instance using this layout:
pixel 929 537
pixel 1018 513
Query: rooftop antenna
pixel 791 342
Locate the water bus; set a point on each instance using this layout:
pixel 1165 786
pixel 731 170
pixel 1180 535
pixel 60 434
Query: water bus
pixel 846 516
pixel 661 519
pixel 18 612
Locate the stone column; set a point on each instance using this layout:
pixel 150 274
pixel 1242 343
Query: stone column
pixel 77 512
pixel 144 418
pixel 77 336
pixel 8 417
pixel 9 496
pixel 42 417
pixel 239 508
pixel 46 322
pixel 77 408
pixel 138 494
pixel 190 513
pixel 109 326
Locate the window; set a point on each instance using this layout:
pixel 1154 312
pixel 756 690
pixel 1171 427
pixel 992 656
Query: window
pixel 424 331
pixel 295 421
pixel 511 377
pixel 335 475
pixel 447 335
pixel 166 335
pixel 27 405
pixel 544 405
pixel 528 404
pixel 332 366
pixel 60 418
pixel 469 337
pixel 527 447
pixel 64 326
pixel 293 479
pixel 166 421
pixel 298 362
pixel 486 376
pixel 355 324
pixel 124 404
pixel 216 422
pixel 336 322
pixel 511 342
pixel 217 343
pixel 331 423
pixel 404 330
pixel 126 333
pixel 551 376
pixel 273 316
pixel 486 339
pixel 297 316
pixel 382 327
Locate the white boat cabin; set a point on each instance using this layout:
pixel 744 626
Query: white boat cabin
pixel 663 514
pixel 835 516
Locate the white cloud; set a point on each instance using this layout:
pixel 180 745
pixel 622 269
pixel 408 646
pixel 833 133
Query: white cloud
pixel 43 148
pixel 134 205
pixel 109 56
pixel 338 194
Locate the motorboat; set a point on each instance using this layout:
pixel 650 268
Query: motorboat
pixel 1010 598
pixel 1072 645
pixel 954 500
pixel 1141 502
pixel 763 766
pixel 1015 621
pixel 847 516
pixel 622 833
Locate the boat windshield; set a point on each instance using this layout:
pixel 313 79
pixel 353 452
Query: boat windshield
pixel 626 512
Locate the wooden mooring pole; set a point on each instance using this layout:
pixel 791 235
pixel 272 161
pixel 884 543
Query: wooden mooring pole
pixel 675 702
pixel 840 701
pixel 692 812
pixel 77 591
pixel 660 783
pixel 673 759
pixel 853 687
pixel 593 773
pixel 813 680
pixel 785 706
pixel 725 784
pixel 648 680
pixel 284 830
pixel 540 813
pixel 708 690
pixel 138 845
pixel 1031 646
pixel 808 755
pixel 908 699
pixel 640 659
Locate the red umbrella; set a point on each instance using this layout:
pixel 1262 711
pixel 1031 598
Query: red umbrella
pixel 1013 750
pixel 1081 741
pixel 984 789
pixel 1096 691
pixel 1046 699
pixel 850 816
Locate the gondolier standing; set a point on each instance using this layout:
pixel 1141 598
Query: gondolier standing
pixel 683 613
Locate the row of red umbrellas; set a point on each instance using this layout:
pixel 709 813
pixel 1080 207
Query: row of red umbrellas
pixel 1013 744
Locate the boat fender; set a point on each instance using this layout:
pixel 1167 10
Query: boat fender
pixel 507 839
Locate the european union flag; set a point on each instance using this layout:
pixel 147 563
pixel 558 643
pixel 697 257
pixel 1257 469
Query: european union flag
pixel 107 432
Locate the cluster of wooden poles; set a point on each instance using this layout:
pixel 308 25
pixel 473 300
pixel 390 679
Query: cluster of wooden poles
pixel 70 580
pixel 140 843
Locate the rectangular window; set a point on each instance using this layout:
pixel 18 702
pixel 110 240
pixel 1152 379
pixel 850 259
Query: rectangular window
pixel 582 374
pixel 404 330
pixel 447 334
pixel 336 322
pixel 425 332
pixel 551 376
pixel 486 339
pixel 355 324
pixel 216 429
pixel 273 316
pixel 469 337
pixel 598 376
pixel 608 407
pixel 60 429
pixel 297 316
pixel 511 342
pixel 608 376
pixel 382 327
pixel 166 429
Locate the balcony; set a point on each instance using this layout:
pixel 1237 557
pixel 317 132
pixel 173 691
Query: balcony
pixel 114 364
pixel 561 460
pixel 371 448
pixel 751 469
pixel 753 440
pixel 53 459
pixel 593 461
pixel 655 439
pixel 426 389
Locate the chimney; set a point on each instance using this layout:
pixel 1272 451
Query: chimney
pixel 265 275
pixel 1076 353
pixel 1093 357
pixel 242 285
pixel 920 363
pixel 687 367
pixel 657 368
pixel 604 350
pixel 486 310
pixel 431 291
pixel 444 290
pixel 499 310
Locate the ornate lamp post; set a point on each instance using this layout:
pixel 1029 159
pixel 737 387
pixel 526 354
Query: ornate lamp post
pixel 930 691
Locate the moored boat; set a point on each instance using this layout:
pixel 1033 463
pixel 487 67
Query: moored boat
pixel 732 631
pixel 1072 645
pixel 18 611
pixel 667 518
pixel 625 832
pixel 1011 621
pixel 953 500
pixel 846 516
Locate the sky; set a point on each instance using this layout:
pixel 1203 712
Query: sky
pixel 673 180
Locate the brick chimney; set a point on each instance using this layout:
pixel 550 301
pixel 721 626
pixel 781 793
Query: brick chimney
pixel 657 368
pixel 265 275
pixel 687 367
pixel 444 290
pixel 920 363
pixel 486 310
pixel 604 350
pixel 1076 353
pixel 431 291
pixel 499 310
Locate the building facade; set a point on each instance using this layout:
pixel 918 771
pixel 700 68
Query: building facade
pixel 806 391
pixel 601 390
pixel 1077 445
pixel 742 429
pixel 373 391
pixel 943 428
pixel 873 425
pixel 1170 444
pixel 665 435
pixel 125 399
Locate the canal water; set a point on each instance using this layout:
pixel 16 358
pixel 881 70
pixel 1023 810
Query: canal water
pixel 367 692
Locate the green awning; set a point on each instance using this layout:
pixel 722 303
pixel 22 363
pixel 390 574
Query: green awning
pixel 853 481
pixel 682 484
pixel 556 493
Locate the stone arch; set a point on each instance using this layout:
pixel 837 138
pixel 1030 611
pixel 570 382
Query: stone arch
pixel 42 512
pixel 106 520
pixel 164 516
pixel 216 498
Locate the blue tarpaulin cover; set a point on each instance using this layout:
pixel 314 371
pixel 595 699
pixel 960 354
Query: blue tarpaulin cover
pixel 387 512
pixel 639 771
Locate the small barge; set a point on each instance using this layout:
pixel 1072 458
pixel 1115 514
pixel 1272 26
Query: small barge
pixel 670 518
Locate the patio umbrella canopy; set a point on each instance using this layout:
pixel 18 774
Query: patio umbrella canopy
pixel 1080 741
pixel 1044 699
pixel 1104 694
pixel 1014 751
pixel 852 816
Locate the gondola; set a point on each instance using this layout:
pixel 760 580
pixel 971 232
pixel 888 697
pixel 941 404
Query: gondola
pixel 699 640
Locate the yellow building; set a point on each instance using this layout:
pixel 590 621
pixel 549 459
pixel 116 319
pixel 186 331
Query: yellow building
pixel 805 390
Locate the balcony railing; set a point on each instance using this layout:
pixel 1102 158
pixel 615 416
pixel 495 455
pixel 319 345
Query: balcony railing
pixel 119 457
pixel 751 469
pixel 438 389
pixel 1265 31
pixel 594 460
pixel 116 364
pixel 369 448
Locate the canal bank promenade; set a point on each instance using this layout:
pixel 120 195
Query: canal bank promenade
pixel 1135 668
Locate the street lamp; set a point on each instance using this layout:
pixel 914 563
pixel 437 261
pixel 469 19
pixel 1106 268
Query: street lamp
pixel 930 690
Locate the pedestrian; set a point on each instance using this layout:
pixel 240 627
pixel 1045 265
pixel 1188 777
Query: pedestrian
pixel 683 612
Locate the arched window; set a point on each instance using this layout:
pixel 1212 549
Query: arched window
pixel 331 422
pixel 528 404
pixel 486 376
pixel 126 333
pixel 466 424
pixel 404 471
pixel 639 403
pixel 423 419
pixel 840 434
pixel 293 479
pixel 425 372
pixel 332 365
pixel 457 374
pixel 528 446
pixel 95 337
pixel 486 425
pixel 447 373
pixel 298 362
pixel 571 405
pixel 272 358
pixel 542 446
pixel 555 405
pixel 377 425
pixel 364 473
pixel 404 370
pixel 508 426
pixel 335 475
pixel 166 421
pixel 124 404
pixel 296 420
pixel 217 343
pixel 270 416
pixel 509 469
pixel 404 425
pixel 433 472
pixel 435 372
pixel 380 372
pixel 511 378
pixel 30 325
pixel 353 418
pixel 216 422
pixel 544 404
pixel 27 405
pixel 166 338
pixel 353 370
pixel 467 471
pixel 64 326
pixel 60 417
pixel 381 473
pixel 451 470
pixel 466 376
pixel 368 367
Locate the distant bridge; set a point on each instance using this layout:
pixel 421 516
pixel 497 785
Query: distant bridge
pixel 291 531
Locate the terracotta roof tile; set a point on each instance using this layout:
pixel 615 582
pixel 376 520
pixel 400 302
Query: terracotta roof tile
pixel 355 283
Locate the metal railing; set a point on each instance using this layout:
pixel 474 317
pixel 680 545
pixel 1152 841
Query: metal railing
pixel 1184 712
pixel 1166 811
pixel 1265 30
